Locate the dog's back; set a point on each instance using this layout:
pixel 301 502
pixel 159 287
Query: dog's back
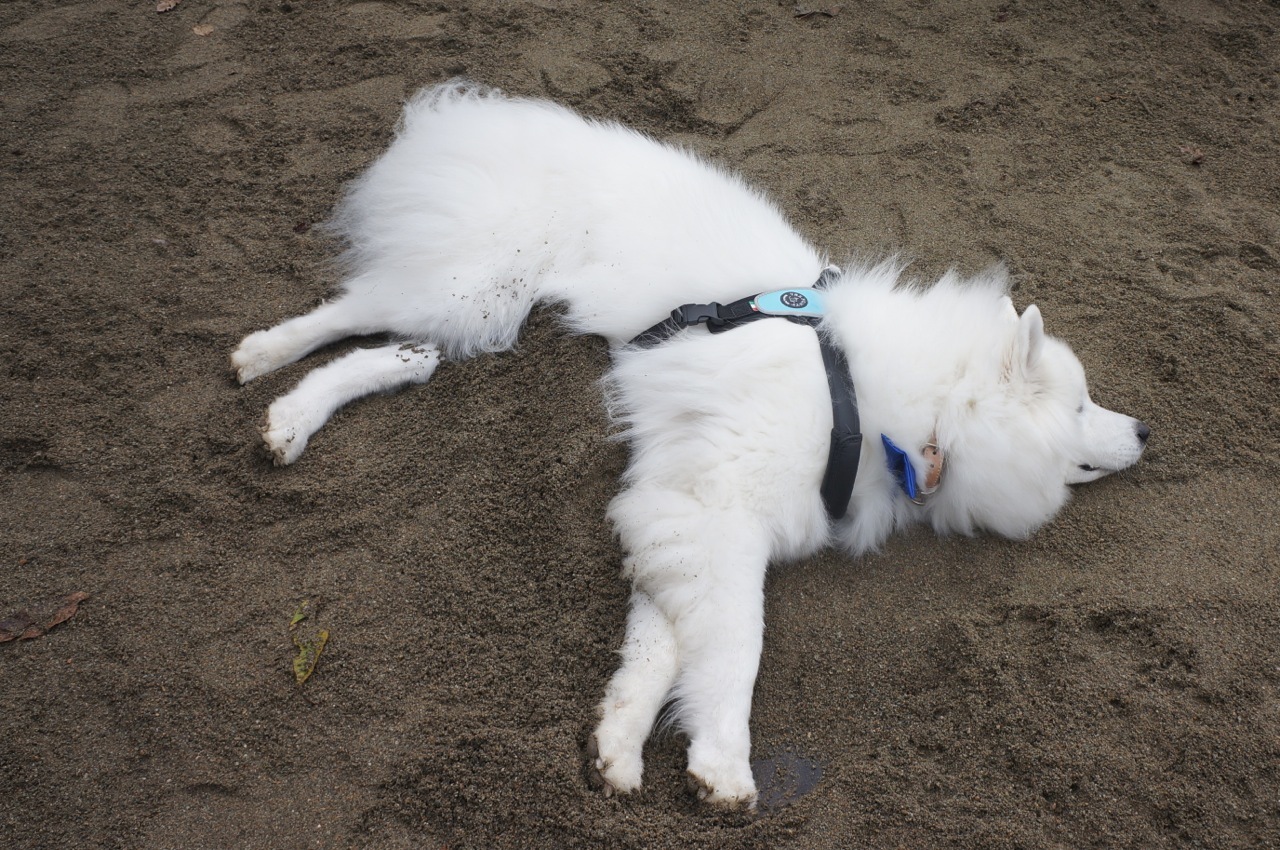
pixel 485 205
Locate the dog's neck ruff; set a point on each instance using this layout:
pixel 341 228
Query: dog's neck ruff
pixel 806 307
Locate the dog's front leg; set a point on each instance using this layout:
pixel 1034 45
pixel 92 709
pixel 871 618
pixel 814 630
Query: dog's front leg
pixel 719 636
pixel 696 628
pixel 704 571
pixel 634 697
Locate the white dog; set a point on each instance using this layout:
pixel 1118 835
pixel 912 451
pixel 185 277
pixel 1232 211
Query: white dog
pixel 487 205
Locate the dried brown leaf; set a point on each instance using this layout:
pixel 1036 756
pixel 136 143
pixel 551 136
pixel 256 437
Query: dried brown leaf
pixel 21 625
pixel 68 609
pixel 13 626
pixel 166 5
pixel 203 29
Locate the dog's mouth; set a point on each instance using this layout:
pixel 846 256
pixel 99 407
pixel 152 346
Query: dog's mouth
pixel 1083 473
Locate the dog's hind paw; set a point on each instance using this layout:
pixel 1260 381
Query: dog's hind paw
pixel 611 775
pixel 254 358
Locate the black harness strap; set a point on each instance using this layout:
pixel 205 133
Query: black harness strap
pixel 846 439
pixel 716 316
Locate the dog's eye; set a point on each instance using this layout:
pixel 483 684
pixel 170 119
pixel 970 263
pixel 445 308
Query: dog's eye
pixel 1087 468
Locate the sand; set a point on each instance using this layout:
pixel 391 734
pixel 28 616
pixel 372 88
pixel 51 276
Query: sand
pixel 1113 682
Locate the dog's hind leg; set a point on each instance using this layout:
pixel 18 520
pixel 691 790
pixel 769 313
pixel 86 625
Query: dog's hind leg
pixel 633 698
pixel 265 351
pixel 293 418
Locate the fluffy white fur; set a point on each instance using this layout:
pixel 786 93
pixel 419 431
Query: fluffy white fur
pixel 486 205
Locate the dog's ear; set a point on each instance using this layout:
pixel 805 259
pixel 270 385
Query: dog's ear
pixel 1029 342
pixel 1030 337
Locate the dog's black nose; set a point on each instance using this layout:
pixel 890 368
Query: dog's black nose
pixel 1143 432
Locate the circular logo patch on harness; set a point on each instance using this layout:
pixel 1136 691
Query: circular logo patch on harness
pixel 794 300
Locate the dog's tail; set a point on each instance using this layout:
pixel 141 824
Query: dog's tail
pixel 433 99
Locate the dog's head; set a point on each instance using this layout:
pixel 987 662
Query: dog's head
pixel 1014 448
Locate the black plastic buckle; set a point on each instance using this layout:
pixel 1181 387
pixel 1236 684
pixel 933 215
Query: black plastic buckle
pixel 697 314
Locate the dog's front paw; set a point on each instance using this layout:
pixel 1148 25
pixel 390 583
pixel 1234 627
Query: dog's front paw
pixel 723 783
pixel 285 444
pixel 611 771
